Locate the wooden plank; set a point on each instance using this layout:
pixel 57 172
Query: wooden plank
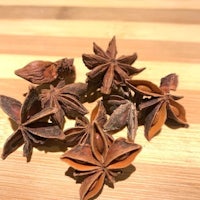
pixel 174 174
pixel 188 73
pixel 74 47
pixel 123 30
pixel 149 180
pixel 184 16
pixel 165 34
pixel 170 4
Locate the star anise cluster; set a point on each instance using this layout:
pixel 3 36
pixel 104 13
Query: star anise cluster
pixel 94 152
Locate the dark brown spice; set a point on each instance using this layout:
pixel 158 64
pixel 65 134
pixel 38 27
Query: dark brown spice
pixel 124 114
pixel 40 72
pixel 160 104
pixel 100 164
pixel 94 155
pixel 33 126
pixel 107 71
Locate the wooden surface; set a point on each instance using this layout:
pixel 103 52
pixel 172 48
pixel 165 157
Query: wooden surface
pixel 166 36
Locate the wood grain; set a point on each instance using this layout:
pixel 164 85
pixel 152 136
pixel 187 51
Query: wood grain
pixel 165 35
pixel 185 16
pixel 177 4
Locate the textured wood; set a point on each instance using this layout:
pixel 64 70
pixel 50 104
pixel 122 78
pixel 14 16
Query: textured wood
pixel 165 34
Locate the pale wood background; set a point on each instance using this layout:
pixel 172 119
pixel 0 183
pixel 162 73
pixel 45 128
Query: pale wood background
pixel 166 36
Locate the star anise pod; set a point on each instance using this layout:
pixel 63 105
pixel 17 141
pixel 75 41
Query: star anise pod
pixel 124 113
pixel 107 70
pixel 80 134
pixel 32 122
pixel 99 161
pixel 65 99
pixel 40 72
pixel 158 104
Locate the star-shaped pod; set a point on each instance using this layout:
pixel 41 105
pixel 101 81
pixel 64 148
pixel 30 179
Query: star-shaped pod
pixel 158 104
pixel 108 71
pixel 33 125
pixel 100 161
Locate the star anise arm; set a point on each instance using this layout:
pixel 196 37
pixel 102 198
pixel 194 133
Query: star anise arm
pixel 130 70
pixel 31 105
pixel 99 143
pixel 97 73
pixel 108 80
pixel 46 130
pixel 13 142
pixel 121 154
pixel 155 120
pixel 177 112
pixel 76 135
pixel 144 87
pixel 98 114
pixel 129 60
pixel 43 129
pixel 99 51
pixel 92 185
pixel 92 61
pixel 59 117
pixel 132 124
pixel 77 89
pixel 71 106
pixel 81 158
pixel 112 49
pixel 120 74
pixel 40 115
pixel 28 146
pixel 11 107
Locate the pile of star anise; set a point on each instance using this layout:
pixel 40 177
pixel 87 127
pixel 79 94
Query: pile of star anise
pixel 122 102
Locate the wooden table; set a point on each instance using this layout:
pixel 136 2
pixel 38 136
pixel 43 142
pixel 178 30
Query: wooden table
pixel 165 35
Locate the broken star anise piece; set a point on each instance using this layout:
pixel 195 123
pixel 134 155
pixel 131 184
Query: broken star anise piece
pixel 100 161
pixel 66 100
pixel 106 69
pixel 158 104
pixel 124 114
pixel 40 72
pixel 33 125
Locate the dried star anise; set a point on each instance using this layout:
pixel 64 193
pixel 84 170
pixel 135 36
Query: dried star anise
pixel 65 99
pixel 107 70
pixel 33 125
pixel 158 104
pixel 95 156
pixel 124 113
pixel 100 161
pixel 40 72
